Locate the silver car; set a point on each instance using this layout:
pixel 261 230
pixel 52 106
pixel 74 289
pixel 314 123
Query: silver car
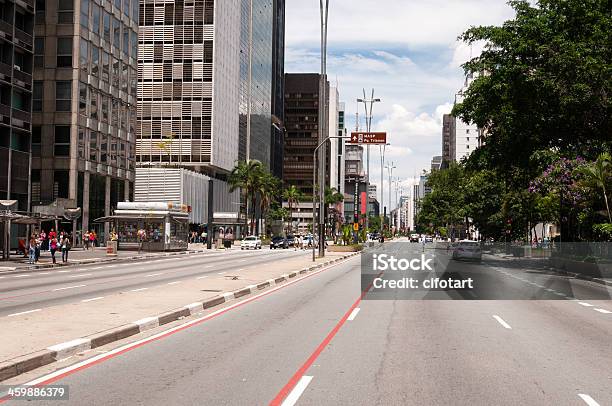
pixel 467 249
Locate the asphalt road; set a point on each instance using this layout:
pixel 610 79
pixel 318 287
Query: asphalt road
pixel 24 291
pixel 315 342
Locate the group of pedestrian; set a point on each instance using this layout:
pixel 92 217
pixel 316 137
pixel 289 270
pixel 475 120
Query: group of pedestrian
pixel 90 240
pixel 52 242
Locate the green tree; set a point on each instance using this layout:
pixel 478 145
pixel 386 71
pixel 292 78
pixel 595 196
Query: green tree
pixel 598 175
pixel 545 80
pixel 292 195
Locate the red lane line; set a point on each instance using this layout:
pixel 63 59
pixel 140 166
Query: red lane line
pixel 284 392
pixel 169 333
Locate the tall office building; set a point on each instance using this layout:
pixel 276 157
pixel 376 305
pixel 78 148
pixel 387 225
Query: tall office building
pixel 436 163
pixel 336 145
pixel 448 140
pixel 84 103
pixel 278 89
pixel 302 124
pixel 255 81
pixel 16 45
pixel 466 137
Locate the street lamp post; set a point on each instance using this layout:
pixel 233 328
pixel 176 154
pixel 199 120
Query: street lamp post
pixel 368 117
pixel 390 168
pixel 321 199
pixel 324 11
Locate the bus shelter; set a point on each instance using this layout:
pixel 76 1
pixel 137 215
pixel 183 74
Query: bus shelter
pixel 150 226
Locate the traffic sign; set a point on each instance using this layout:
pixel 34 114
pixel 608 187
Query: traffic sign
pixel 368 138
pixel 356 226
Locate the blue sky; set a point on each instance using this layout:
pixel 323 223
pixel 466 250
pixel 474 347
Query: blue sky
pixel 407 50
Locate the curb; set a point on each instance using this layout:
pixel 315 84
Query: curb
pixel 581 276
pixel 17 366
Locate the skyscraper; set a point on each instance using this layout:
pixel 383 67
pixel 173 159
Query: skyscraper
pixel 84 102
pixel 278 89
pixel 16 44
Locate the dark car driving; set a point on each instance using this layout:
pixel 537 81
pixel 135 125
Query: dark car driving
pixel 279 242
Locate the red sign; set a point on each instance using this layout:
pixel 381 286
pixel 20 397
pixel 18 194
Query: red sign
pixel 368 138
pixel 363 202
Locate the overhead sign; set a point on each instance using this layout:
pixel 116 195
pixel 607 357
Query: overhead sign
pixel 368 138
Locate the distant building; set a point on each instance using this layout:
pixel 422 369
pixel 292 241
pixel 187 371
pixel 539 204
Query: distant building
pixel 465 137
pixel 436 163
pixel 448 140
pixel 372 191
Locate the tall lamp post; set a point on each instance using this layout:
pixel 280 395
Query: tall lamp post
pixel 390 169
pixel 324 10
pixel 321 200
pixel 368 104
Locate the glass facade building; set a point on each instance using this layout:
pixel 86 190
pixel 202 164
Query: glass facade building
pixel 16 64
pixel 256 34
pixel 84 105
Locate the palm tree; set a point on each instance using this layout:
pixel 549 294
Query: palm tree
pixel 599 174
pixel 292 195
pixel 267 188
pixel 245 176
pixel 333 197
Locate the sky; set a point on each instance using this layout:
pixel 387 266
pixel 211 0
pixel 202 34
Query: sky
pixel 407 50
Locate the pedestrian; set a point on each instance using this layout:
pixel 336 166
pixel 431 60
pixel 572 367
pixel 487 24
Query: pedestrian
pixel 53 248
pixel 65 244
pixel 52 235
pixel 86 240
pixel 43 241
pixel 92 239
pixel 32 249
pixel 38 245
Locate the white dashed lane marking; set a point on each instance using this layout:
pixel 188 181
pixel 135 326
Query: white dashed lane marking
pixel 588 400
pixel 26 312
pixel 138 290
pixel 69 287
pixel 604 311
pixel 92 299
pixel 502 322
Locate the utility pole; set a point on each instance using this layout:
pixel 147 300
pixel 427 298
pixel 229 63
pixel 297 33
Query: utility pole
pixel 368 117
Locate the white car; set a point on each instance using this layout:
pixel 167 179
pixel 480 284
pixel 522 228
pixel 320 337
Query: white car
pixel 467 249
pixel 251 242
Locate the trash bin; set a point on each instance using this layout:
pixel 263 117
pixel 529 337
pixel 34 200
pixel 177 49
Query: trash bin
pixel 111 248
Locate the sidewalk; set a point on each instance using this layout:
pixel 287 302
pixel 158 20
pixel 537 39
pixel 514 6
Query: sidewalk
pixel 79 256
pixel 57 332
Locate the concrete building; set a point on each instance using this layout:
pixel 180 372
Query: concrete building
pixel 448 140
pixel 465 137
pixel 16 65
pixel 302 124
pixel 84 102
pixel 436 163
pixel 372 191
pixel 353 178
pixel 336 148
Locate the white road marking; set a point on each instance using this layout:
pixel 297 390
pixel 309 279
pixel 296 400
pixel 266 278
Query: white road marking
pixel 26 312
pixel 174 283
pixel 297 391
pixel 502 322
pixel 604 311
pixel 69 287
pixel 221 273
pixel 241 269
pixel 92 299
pixel 202 277
pixel 585 304
pixel 81 275
pixel 138 290
pixel 98 267
pixel 63 271
pixel 588 400
pixel 44 273
pixel 353 314
pixel 21 276
pixel 208 266
pixel 153 274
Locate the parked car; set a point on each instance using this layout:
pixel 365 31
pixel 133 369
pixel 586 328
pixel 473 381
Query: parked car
pixel 429 238
pixel 279 242
pixel 250 242
pixel 467 249
pixel 291 241
pixel 414 237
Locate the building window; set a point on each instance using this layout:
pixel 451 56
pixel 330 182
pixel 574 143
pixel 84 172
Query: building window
pixel 126 41
pixel 40 11
pixel 65 12
pixel 105 67
pixel 135 10
pixel 37 95
pixel 93 104
pixel 82 143
pixel 104 108
pixel 39 52
pixel 116 73
pixel 95 16
pixel 64 52
pixel 63 96
pixel 85 13
pixel 107 26
pixel 84 55
pixel 126 7
pixel 83 98
pixel 134 37
pixel 21 100
pixel 36 138
pixel 93 146
pixel 62 140
pixel 95 61
pixel 116 33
